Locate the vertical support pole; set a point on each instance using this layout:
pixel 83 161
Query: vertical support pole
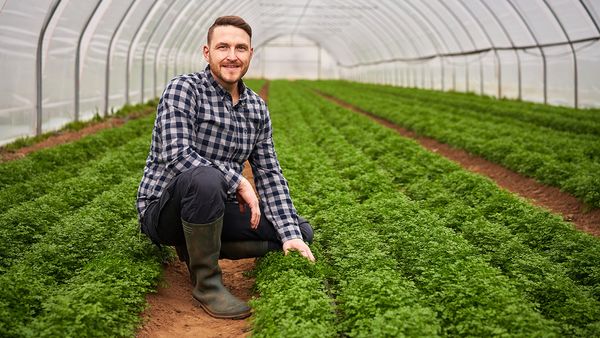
pixel 38 66
pixel 78 60
pixel 109 57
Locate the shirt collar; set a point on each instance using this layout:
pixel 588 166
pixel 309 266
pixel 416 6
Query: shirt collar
pixel 221 91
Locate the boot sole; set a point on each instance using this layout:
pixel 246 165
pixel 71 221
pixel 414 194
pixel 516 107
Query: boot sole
pixel 218 316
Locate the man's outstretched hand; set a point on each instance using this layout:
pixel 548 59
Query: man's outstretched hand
pixel 247 197
pixel 297 244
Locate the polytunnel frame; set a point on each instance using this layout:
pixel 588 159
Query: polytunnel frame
pixel 164 40
pixel 109 56
pixel 369 35
pixel 128 66
pixel 78 58
pixel 491 42
pixel 371 17
pixel 147 44
pixel 494 48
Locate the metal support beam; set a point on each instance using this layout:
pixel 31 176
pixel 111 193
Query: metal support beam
pixel 38 66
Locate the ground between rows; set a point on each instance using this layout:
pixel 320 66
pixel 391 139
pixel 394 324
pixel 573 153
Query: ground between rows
pixel 572 209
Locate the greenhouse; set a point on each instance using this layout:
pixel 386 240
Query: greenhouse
pixel 395 168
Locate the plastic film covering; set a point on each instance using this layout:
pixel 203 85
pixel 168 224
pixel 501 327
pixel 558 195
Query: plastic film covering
pixel 20 25
pixel 97 55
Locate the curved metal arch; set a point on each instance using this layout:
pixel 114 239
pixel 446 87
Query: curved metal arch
pixel 163 40
pixel 78 58
pixel 181 29
pixel 177 47
pixel 575 76
pixel 489 38
pixel 512 44
pixel 377 23
pixel 128 63
pixel 38 66
pixel 405 34
pixel 154 29
pixel 438 39
pixel 537 43
pixel 432 42
pixel 462 25
pixel 401 28
pixel 332 51
pixel 454 37
pixel 381 20
pixel 365 34
pixel 109 56
pixel 481 27
pixel 589 12
pixel 303 34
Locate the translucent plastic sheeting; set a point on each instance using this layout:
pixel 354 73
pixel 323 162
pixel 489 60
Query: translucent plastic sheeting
pixel 20 24
pixel 97 55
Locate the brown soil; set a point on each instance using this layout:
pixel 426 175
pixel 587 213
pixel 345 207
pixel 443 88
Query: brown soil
pixel 60 138
pixel 551 198
pixel 171 312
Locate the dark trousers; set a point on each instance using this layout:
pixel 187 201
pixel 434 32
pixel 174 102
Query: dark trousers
pixel 199 196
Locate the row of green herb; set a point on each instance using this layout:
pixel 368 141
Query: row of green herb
pixel 566 160
pixel 364 240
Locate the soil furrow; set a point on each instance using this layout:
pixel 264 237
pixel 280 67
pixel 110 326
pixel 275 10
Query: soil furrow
pixel 572 209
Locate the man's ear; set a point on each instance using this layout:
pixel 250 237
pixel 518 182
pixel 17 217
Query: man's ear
pixel 205 51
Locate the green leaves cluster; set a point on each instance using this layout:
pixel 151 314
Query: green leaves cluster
pixel 73 261
pixel 411 245
pixel 555 145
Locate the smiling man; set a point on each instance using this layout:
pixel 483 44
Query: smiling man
pixel 193 195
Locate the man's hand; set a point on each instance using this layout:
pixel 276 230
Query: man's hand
pixel 298 245
pixel 247 197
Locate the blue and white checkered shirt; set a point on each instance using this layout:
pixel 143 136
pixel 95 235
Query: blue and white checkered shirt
pixel 197 125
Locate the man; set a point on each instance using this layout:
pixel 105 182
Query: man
pixel 193 195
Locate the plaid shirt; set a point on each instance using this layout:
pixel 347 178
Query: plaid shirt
pixel 197 125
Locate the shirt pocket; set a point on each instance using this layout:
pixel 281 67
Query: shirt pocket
pixel 216 137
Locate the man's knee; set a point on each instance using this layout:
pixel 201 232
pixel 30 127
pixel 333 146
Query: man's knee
pixel 204 194
pixel 206 180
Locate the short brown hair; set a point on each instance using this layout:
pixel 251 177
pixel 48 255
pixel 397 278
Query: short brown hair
pixel 229 20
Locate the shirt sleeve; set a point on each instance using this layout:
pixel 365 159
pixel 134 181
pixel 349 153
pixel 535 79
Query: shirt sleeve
pixel 175 119
pixel 272 186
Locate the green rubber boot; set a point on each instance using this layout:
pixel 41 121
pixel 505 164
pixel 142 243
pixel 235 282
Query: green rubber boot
pixel 244 249
pixel 204 244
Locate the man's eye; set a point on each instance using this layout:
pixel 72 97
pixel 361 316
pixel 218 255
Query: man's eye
pixel 242 49
pixel 221 47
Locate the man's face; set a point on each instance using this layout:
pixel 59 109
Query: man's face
pixel 228 54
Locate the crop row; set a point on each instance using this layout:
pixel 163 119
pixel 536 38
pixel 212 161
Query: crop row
pixel 73 260
pixel 482 213
pixel 463 198
pixel 344 192
pixel 582 121
pixel 21 187
pixel 69 157
pixel 85 275
pixel 566 160
pixel 28 222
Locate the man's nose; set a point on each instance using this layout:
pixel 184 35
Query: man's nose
pixel 231 54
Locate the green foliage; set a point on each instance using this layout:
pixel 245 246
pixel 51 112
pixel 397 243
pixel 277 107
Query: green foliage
pixel 407 243
pixel 556 145
pixel 293 301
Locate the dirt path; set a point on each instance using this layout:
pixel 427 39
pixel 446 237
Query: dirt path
pixel 551 198
pixel 171 312
pixel 60 138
